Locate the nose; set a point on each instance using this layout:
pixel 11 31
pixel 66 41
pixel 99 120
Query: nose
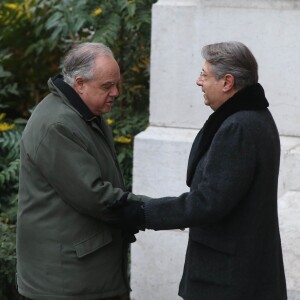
pixel 114 92
pixel 199 81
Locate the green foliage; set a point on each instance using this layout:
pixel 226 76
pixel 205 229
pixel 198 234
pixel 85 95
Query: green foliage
pixel 8 87
pixel 9 162
pixel 7 251
pixel 34 36
pixel 7 260
pixel 9 172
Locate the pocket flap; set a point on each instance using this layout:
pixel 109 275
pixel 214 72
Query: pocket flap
pixel 92 243
pixel 209 239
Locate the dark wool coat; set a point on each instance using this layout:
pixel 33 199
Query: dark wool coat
pixel 69 175
pixel 234 249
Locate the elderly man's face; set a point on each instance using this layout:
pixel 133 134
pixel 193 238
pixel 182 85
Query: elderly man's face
pixel 211 87
pixel 99 93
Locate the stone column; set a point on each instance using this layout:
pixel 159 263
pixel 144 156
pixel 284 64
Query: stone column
pixel 270 28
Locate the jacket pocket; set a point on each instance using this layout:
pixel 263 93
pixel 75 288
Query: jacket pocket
pixel 211 240
pixel 92 243
pixel 210 258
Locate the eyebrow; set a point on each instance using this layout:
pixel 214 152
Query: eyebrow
pixel 108 83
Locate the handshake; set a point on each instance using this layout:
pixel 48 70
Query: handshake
pixel 129 215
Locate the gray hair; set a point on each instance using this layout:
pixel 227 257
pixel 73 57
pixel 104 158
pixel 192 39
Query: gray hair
pixel 232 58
pixel 79 61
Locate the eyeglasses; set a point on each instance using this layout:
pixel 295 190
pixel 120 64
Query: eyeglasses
pixel 203 76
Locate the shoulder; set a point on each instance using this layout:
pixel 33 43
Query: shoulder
pixel 49 116
pixel 250 120
pixel 53 109
pixel 255 127
pixel 248 116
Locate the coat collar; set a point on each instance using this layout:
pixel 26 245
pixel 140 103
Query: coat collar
pixel 248 98
pixel 73 98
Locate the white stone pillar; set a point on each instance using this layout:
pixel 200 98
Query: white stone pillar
pixel 270 28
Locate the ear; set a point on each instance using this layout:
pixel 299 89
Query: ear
pixel 79 85
pixel 228 82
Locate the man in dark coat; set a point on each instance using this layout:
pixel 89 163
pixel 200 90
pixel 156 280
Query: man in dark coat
pixel 69 175
pixel 234 248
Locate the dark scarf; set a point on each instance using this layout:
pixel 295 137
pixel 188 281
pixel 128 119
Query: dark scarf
pixel 249 98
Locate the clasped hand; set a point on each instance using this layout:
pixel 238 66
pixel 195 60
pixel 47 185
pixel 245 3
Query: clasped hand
pixel 129 216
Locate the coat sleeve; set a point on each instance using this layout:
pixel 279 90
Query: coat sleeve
pixel 74 174
pixel 224 176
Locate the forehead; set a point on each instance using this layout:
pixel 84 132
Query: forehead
pixel 106 68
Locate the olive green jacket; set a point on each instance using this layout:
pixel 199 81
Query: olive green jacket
pixel 69 175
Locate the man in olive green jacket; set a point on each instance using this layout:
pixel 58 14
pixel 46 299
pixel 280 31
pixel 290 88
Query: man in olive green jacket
pixel 69 176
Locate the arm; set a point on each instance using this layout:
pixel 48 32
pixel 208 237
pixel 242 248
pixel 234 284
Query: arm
pixel 224 176
pixel 74 174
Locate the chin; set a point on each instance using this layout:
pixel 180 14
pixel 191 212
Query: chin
pixel 206 102
pixel 106 111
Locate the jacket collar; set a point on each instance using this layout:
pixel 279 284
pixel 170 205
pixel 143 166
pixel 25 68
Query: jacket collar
pixel 73 98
